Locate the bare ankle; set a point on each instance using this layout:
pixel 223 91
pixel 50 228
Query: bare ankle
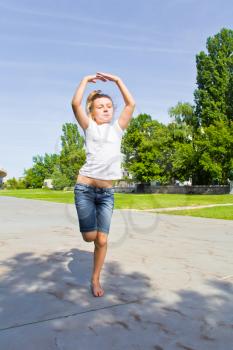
pixel 95 279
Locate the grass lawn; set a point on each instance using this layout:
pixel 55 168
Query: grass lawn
pixel 125 200
pixel 41 194
pixel 214 212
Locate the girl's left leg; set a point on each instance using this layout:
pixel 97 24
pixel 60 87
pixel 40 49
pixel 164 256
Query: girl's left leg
pixel 99 256
pixel 104 210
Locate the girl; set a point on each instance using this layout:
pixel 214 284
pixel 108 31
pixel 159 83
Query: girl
pixel 94 192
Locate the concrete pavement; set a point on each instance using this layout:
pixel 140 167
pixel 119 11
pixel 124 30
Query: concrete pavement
pixel 168 281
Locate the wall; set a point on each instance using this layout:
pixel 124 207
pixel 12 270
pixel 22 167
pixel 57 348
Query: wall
pixel 175 189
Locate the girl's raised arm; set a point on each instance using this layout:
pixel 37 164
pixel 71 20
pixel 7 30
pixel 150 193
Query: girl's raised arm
pixel 79 113
pixel 128 110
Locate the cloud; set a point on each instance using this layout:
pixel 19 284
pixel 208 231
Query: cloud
pixel 90 44
pixel 67 17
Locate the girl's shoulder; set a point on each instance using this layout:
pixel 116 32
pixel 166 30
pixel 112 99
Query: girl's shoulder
pixel 90 123
pixel 116 125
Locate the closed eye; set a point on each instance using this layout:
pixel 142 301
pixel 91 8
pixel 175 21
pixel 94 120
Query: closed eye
pixel 109 106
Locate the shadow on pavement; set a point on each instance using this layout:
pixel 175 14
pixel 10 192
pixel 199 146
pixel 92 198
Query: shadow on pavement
pixel 46 301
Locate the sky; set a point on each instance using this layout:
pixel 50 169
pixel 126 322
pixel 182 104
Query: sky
pixel 47 47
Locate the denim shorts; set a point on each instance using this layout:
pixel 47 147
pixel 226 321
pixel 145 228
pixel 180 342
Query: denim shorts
pixel 94 207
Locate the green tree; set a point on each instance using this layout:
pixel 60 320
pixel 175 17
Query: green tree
pixel 64 166
pixel 50 162
pixel 215 148
pixel 202 134
pixel 184 114
pixel 183 130
pixel 59 180
pixel 72 155
pixel 147 151
pixel 214 94
pixel 42 168
pixel 11 183
pixel 14 183
pixel 208 158
pixel 35 176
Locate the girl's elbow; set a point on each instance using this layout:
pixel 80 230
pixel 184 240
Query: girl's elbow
pixel 131 104
pixel 74 103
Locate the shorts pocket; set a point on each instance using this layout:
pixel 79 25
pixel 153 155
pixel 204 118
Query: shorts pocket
pixel 81 189
pixel 109 193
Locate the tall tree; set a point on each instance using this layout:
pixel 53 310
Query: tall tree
pixel 202 133
pixel 214 95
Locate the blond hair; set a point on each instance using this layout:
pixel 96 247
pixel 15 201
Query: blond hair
pixel 93 96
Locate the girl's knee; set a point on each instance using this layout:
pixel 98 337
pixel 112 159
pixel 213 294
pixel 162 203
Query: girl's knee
pixel 89 236
pixel 101 239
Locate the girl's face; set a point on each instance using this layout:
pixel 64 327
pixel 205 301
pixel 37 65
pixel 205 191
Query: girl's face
pixel 102 110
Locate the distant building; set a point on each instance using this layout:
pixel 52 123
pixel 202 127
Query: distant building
pixel 126 173
pixel 47 183
pixel 184 183
pixel 125 181
pixel 3 173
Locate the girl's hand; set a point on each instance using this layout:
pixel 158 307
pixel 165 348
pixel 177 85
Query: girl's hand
pixel 106 76
pixel 93 78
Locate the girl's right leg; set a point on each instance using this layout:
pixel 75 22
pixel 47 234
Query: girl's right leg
pixel 84 197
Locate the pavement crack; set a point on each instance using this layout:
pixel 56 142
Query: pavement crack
pixel 68 315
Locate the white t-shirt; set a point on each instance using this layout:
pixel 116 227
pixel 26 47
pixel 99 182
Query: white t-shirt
pixel 103 154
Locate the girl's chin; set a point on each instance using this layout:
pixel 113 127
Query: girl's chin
pixel 104 119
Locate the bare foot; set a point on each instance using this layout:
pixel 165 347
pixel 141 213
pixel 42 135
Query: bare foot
pixel 96 289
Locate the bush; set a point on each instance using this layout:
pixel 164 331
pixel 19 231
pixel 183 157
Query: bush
pixel 59 180
pixel 14 184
